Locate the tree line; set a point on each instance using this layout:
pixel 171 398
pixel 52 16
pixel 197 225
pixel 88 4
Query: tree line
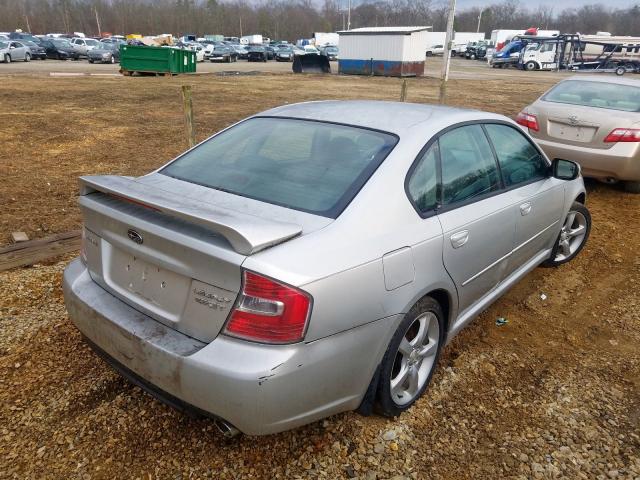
pixel 293 19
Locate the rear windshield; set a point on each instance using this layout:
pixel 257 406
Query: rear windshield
pixel 596 94
pixel 305 165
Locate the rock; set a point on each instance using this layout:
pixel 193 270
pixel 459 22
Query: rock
pixel 378 448
pixel 389 435
pixel 612 474
pixel 523 457
pixel 371 475
pixel 393 446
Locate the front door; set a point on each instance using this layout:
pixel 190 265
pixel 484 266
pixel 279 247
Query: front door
pixel 538 197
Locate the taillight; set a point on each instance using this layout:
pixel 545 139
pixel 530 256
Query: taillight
pixel 623 135
pixel 528 120
pixel 268 311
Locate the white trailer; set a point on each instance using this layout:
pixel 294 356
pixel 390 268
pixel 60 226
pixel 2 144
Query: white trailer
pixel 326 38
pixel 435 38
pixel 251 40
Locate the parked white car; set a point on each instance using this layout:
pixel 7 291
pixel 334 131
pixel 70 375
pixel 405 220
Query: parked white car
pixel 83 45
pixel 435 50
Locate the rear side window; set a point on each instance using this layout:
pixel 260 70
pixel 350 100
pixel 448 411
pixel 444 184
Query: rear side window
pixel 468 166
pixel 520 162
pixel 423 183
pixel 596 94
pixel 305 165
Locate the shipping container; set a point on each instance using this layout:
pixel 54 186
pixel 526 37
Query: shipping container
pixel 387 51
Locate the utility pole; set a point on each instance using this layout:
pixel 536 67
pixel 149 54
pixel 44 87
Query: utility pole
pixel 446 57
pixel 349 17
pixel 26 17
pixel 479 20
pixel 95 9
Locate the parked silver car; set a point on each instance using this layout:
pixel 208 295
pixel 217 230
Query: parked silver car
pixel 316 257
pixel 594 121
pixel 13 50
pixel 82 46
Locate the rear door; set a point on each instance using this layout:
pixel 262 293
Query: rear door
pixel 478 226
pixel 539 198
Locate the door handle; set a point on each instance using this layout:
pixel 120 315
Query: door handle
pixel 525 209
pixel 458 239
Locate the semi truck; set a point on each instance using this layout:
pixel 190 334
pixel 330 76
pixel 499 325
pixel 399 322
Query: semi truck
pixel 582 52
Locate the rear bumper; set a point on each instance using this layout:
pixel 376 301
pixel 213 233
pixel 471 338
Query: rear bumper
pixel 620 162
pixel 260 389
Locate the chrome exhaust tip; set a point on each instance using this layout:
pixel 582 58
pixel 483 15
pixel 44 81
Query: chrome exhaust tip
pixel 227 430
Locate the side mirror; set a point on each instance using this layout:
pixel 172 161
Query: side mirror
pixel 12 47
pixel 565 169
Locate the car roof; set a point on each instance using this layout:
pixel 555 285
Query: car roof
pixel 618 80
pixel 394 117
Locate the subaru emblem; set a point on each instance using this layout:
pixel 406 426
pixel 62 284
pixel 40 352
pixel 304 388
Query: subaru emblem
pixel 135 236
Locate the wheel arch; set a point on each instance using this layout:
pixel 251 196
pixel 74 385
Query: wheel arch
pixel 581 198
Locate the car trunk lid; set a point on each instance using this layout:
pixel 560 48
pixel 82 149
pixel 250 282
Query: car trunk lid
pixel 576 124
pixel 175 258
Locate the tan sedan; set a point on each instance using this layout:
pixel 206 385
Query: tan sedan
pixel 594 121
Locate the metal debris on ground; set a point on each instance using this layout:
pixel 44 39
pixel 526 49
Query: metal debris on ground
pixel 500 321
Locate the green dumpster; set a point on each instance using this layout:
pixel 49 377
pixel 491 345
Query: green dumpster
pixel 138 58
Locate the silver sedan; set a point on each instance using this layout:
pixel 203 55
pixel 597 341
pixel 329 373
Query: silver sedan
pixel 315 258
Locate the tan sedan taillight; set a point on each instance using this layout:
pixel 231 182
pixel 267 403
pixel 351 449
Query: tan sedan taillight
pixel 623 135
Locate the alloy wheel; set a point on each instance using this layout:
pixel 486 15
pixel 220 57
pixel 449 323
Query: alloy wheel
pixel 415 358
pixel 572 235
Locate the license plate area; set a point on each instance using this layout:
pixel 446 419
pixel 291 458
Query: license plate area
pixel 572 133
pixel 157 289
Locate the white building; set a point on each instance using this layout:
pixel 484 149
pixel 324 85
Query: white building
pixel 388 51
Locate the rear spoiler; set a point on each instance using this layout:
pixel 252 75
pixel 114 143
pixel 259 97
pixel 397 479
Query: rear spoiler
pixel 246 233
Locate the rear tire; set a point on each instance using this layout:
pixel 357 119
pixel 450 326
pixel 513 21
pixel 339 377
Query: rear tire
pixel 632 187
pixel 572 237
pixel 621 71
pixel 411 358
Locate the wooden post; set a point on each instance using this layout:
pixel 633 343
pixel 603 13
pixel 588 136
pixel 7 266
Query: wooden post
pixel 187 105
pixel 446 57
pixel 403 90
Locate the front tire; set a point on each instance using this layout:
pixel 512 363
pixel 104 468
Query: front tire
pixel 411 358
pixel 573 236
pixel 27 57
pixel 7 58
pixel 530 66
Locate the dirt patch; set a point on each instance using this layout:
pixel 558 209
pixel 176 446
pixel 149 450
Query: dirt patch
pixel 553 393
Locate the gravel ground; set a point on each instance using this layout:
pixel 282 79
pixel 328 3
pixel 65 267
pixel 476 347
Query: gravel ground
pixel 554 393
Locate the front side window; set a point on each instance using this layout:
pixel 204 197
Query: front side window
pixel 305 165
pixel 468 166
pixel 520 162
pixel 423 183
